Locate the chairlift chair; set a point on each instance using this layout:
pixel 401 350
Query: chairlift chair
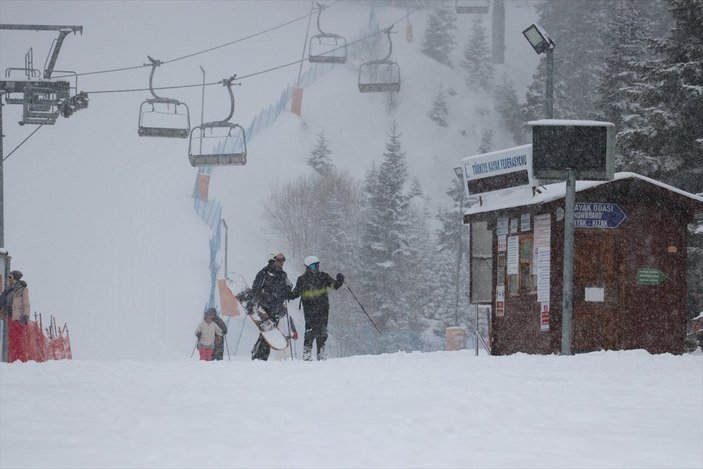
pixel 380 75
pixel 225 142
pixel 40 106
pixel 472 6
pixel 326 47
pixel 163 117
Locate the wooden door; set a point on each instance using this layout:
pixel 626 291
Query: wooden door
pixel 597 320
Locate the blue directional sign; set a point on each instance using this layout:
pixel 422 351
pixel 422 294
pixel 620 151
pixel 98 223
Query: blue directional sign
pixel 597 215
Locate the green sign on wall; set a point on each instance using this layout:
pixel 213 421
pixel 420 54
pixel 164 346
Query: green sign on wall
pixel 650 276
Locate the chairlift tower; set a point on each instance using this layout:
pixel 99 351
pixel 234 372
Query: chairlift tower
pixel 43 99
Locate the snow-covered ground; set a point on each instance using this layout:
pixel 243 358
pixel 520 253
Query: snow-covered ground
pixel 101 222
pixel 442 409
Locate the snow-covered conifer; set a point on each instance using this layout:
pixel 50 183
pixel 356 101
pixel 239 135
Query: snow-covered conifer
pixel 439 39
pixel 477 58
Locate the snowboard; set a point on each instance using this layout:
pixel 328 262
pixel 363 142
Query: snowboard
pixel 268 329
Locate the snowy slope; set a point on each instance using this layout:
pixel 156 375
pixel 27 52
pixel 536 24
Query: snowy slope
pixel 101 220
pixel 433 410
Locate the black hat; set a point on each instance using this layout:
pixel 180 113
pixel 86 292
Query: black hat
pixel 212 311
pixel 16 274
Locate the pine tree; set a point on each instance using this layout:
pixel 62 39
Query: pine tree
pixel 671 99
pixel 509 108
pixel 631 48
pixel 451 245
pixel 440 109
pixel 439 39
pixel 477 58
pixel 320 157
pixel 486 141
pixel 391 245
pixel 578 28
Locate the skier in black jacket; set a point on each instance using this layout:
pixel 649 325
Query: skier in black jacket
pixel 312 288
pixel 270 290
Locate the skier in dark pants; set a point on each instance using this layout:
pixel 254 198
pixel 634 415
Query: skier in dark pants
pixel 219 350
pixel 270 290
pixel 312 288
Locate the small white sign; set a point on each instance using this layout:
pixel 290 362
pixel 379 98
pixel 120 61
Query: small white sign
pixel 513 225
pixel 502 226
pixel 525 222
pixel 544 317
pixel 502 243
pixel 500 300
pixel 512 255
pixel 543 272
pixel 595 294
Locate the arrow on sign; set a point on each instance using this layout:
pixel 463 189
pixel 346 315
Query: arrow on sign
pixel 650 276
pixel 597 215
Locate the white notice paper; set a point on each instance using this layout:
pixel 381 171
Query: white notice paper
pixel 595 294
pixel 512 255
pixel 543 267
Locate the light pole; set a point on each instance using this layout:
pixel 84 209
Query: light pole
pixel 202 112
pixel 460 175
pixel 541 42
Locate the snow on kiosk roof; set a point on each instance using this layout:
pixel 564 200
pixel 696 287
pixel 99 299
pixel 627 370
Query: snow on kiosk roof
pixel 523 196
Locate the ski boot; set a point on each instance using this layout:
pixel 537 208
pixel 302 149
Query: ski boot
pixel 321 354
pixel 307 354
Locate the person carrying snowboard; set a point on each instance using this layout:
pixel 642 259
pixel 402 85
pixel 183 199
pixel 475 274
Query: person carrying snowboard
pixel 270 290
pixel 206 332
pixel 312 288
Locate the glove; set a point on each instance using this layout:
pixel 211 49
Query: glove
pixel 340 280
pixel 24 319
pixel 197 335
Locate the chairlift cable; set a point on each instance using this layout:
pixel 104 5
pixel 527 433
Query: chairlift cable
pixel 122 69
pixel 22 142
pixel 239 78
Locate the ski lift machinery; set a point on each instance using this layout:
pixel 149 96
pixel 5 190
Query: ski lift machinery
pixel 326 47
pixel 472 6
pixel 157 118
pixel 380 75
pixel 225 142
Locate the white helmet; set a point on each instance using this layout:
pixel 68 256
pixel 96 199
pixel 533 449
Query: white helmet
pixel 311 260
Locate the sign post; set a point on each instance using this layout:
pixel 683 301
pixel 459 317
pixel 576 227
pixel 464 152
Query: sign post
pixel 570 150
pixel 568 278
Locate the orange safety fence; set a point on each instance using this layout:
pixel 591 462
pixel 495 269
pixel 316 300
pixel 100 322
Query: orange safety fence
pixel 27 342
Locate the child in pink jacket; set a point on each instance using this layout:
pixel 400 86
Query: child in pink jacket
pixel 206 332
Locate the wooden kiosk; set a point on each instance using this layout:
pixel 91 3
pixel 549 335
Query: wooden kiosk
pixel 629 264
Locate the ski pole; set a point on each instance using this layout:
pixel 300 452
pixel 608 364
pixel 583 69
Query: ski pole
pixel 227 343
pixel 362 308
pixel 227 347
pixel 194 347
pixel 290 335
pixel 236 348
